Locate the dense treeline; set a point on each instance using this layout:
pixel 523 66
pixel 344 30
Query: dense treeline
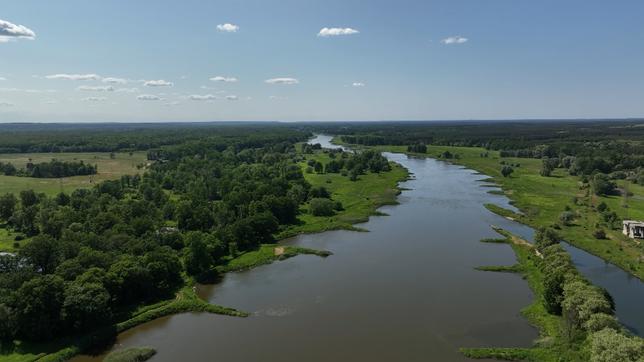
pixel 51 169
pixel 587 310
pixel 96 253
pixel 583 148
pixel 112 137
pixel 348 163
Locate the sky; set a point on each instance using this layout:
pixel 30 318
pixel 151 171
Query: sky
pixel 328 60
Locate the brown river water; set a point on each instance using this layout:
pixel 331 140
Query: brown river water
pixel 406 290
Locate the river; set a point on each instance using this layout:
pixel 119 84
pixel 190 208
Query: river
pixel 405 291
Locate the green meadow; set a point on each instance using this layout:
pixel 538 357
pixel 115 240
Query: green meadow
pixel 108 169
pixel 360 198
pixel 543 199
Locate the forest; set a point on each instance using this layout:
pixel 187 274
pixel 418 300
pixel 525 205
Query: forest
pixel 95 253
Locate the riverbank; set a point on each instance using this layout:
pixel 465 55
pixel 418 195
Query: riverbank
pixel 551 346
pixel 186 300
pixel 542 200
pixel 360 199
pixel 585 329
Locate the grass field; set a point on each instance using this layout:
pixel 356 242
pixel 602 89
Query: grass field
pixel 543 199
pixel 360 198
pixel 108 169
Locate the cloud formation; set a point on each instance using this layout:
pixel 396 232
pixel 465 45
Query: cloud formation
pixel 357 84
pixel 199 97
pixel 108 88
pixel 2 78
pixel 282 81
pixel 10 31
pixel 325 32
pixel 148 97
pixel 6 104
pixel 158 83
pixel 220 78
pixel 127 90
pixel 227 28
pixel 232 98
pixel 73 76
pixel 454 40
pixel 112 80
pixel 94 99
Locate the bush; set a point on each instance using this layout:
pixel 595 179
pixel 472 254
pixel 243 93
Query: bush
pixel 322 207
pixel 599 234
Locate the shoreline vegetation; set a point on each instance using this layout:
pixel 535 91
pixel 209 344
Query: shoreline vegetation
pixel 543 200
pixel 584 327
pixel 360 199
pixel 575 319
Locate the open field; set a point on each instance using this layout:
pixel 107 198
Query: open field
pixel 108 169
pixel 360 198
pixel 543 199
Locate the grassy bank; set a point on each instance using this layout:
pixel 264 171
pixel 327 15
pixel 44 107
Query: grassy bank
pixel 543 199
pixel 360 198
pixel 267 254
pixel 551 345
pixel 108 169
pixel 185 301
pixel 134 354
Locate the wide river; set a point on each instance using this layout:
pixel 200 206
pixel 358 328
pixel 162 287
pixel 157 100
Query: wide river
pixel 405 291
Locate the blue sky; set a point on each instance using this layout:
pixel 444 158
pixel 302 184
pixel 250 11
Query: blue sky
pixel 379 60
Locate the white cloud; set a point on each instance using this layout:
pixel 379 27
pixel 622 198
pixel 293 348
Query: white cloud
pixel 220 78
pixel 94 99
pixel 148 97
pixel 113 80
pixel 158 83
pixel 277 98
pixel 325 32
pixel 454 40
pixel 205 97
pixel 2 78
pixel 357 84
pixel 88 88
pixel 73 76
pixel 170 104
pixel 127 90
pixel 282 81
pixel 232 98
pixel 10 31
pixel 228 28
pixel 6 104
pixel 28 90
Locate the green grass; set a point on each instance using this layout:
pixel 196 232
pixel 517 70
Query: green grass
pixel 360 198
pixel 542 199
pixel 552 344
pixel 108 169
pixel 516 268
pixel 133 354
pixel 266 254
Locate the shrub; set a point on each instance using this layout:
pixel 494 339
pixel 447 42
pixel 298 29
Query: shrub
pixel 599 234
pixel 322 207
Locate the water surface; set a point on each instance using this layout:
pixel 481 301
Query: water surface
pixel 405 291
